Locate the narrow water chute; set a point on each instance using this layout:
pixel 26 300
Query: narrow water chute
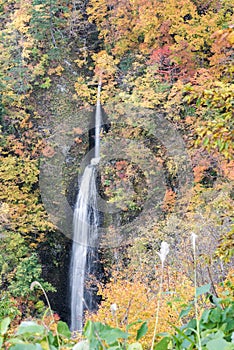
pixel 98 122
pixel 85 229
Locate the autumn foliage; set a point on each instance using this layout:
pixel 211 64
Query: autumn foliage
pixel 172 57
pixel 137 300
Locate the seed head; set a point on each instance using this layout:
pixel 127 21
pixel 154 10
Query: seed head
pixel 113 309
pixel 193 238
pixel 163 251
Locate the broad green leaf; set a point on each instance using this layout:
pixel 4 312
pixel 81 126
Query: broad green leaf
pixel 203 289
pixel 50 337
pixel 186 345
pixel 135 346
pixel 230 325
pixel 163 344
pixel 190 327
pixel 215 315
pixel 30 327
pixel 63 329
pixel 82 345
pixel 142 331
pixel 88 329
pixel 217 344
pixel 111 335
pixel 211 334
pixel 26 347
pixel 205 316
pixel 4 325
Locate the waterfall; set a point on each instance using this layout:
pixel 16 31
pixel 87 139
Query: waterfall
pixel 85 230
pixel 98 121
pixel 85 227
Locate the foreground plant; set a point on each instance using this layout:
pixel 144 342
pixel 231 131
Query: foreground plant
pixel 213 331
pixel 100 336
pixel 162 255
pixel 31 335
pixel 216 329
pixel 193 237
pixel 4 325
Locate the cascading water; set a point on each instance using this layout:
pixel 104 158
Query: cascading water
pixel 85 230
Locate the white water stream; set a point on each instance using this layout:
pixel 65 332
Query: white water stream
pixel 85 229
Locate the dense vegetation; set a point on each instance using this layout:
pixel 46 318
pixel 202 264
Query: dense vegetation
pixel 167 88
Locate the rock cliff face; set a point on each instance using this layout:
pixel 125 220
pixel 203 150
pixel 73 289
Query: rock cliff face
pixel 61 125
pixel 55 258
pixel 68 131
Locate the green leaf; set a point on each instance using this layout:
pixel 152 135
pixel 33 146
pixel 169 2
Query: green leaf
pixel 181 333
pixel 135 346
pixel 88 329
pixel 205 316
pixel 163 334
pixel 111 335
pixel 1 342
pixel 190 327
pixel 133 324
pixel 30 327
pixel 216 301
pixel 82 345
pixel 15 341
pixel 163 344
pixel 186 345
pixel 215 315
pixel 63 330
pixel 206 141
pixel 4 325
pixel 203 289
pixel 185 312
pixel 94 331
pixel 89 333
pixel 142 331
pixel 217 344
pixel 211 334
pixel 230 326
pixel 26 347
pixel 52 347
pixel 50 337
